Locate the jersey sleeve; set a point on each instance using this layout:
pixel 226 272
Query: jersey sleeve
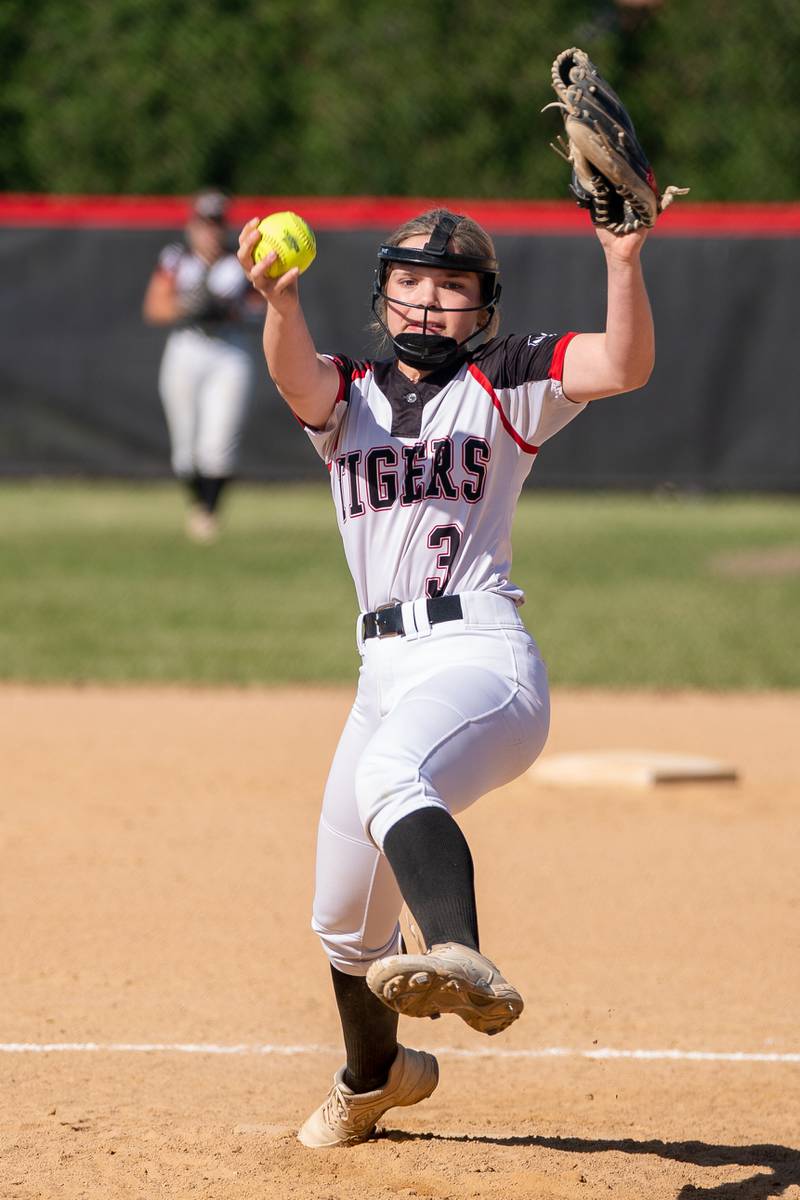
pixel 325 439
pixel 170 257
pixel 523 374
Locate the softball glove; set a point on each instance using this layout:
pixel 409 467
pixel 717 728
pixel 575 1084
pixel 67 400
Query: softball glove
pixel 611 176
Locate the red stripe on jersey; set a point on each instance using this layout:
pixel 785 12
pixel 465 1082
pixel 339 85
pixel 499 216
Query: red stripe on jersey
pixel 340 393
pixel 356 373
pixel 559 350
pixel 509 428
pixel 708 219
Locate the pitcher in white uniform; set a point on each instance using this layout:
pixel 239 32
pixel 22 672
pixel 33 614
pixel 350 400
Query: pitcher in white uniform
pixel 427 452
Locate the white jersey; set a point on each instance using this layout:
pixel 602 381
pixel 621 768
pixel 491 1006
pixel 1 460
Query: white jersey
pixel 224 280
pixel 426 476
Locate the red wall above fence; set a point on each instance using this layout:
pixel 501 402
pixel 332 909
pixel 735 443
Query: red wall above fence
pixel 384 212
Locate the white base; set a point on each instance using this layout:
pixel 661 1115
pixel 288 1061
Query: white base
pixel 629 768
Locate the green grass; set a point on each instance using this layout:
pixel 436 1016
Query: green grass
pixel 97 582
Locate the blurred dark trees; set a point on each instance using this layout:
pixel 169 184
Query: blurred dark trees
pixel 362 97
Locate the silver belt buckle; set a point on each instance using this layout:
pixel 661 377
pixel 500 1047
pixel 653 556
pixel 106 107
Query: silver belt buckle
pixel 388 632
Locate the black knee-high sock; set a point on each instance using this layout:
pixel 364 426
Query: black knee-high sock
pixel 369 1029
pixel 193 486
pixel 433 867
pixel 207 490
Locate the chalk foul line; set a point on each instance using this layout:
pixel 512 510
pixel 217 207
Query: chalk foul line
pixel 602 1052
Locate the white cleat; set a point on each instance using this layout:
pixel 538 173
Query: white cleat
pixel 449 978
pixel 201 525
pixel 347 1118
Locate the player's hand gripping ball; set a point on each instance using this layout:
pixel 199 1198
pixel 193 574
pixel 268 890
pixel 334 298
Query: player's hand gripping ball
pixel 290 238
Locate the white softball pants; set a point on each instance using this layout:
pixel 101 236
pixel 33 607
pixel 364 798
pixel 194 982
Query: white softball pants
pixel 441 717
pixel 205 383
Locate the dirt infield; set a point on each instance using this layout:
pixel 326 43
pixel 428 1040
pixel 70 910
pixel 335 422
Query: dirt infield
pixel 155 882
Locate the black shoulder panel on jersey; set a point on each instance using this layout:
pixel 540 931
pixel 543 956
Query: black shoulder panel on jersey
pixel 349 369
pixel 515 359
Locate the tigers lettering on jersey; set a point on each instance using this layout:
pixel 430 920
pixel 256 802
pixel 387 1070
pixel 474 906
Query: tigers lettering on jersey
pixel 425 473
pixel 382 477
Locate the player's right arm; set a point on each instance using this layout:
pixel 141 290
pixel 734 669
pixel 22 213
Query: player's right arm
pixel 308 382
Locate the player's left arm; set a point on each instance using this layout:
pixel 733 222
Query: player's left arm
pixel 622 358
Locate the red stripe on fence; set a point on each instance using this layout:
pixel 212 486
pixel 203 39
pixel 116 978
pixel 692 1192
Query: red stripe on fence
pixel 384 212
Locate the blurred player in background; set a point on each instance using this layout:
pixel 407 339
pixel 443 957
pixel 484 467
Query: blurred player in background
pixel 206 375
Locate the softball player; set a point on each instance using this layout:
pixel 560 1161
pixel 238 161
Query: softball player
pixel 206 370
pixel 427 452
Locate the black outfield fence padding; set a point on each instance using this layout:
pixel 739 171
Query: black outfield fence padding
pixel 78 368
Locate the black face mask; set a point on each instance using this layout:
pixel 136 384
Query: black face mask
pixel 427 351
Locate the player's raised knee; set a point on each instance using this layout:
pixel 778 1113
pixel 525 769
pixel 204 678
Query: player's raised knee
pixel 386 791
pixel 347 951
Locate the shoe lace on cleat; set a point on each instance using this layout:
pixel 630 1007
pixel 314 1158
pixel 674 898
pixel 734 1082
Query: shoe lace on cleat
pixel 336 1106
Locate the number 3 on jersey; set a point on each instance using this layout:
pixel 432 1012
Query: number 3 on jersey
pixel 446 539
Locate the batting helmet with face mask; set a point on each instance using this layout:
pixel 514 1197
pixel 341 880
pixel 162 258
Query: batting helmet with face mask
pixel 426 351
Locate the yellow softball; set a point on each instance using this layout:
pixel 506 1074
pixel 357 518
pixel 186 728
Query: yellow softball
pixel 291 239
